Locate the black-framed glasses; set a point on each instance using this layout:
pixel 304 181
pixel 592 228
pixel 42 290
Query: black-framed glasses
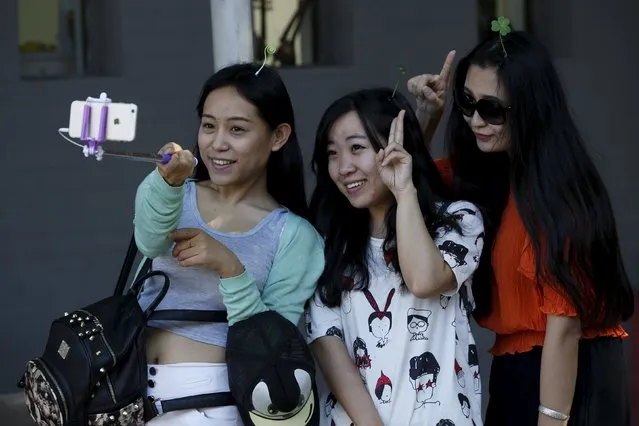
pixel 492 111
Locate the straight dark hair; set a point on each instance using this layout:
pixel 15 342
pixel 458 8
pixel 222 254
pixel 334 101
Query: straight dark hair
pixel 267 92
pixel 345 228
pixel 559 194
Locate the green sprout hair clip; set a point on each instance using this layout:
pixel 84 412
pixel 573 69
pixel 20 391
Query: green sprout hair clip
pixel 268 52
pixel 502 27
pixel 402 71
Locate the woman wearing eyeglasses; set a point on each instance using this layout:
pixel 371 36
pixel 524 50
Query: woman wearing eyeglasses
pixel 551 282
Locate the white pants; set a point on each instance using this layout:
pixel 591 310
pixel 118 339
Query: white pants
pixel 170 381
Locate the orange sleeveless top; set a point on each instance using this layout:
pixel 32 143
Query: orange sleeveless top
pixel 520 303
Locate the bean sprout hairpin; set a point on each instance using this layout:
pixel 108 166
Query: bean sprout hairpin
pixel 268 52
pixel 402 71
pixel 502 27
pixel 93 147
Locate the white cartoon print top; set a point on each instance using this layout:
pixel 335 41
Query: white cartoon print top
pixel 417 357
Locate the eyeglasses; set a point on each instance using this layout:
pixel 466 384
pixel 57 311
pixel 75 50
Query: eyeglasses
pixel 491 111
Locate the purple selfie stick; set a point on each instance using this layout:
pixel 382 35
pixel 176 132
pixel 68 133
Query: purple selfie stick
pixel 140 156
pixel 167 157
pixel 94 147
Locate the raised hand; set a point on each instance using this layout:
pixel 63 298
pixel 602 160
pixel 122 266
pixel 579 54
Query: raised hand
pixel 394 164
pixel 180 167
pixel 430 90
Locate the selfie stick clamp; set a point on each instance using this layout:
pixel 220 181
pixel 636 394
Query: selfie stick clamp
pixel 92 147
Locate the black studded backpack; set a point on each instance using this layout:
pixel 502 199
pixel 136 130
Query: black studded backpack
pixel 93 370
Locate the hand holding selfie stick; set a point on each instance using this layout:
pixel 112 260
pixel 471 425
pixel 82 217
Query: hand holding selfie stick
pixel 92 147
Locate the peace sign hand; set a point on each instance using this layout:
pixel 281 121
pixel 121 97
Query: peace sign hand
pixel 430 89
pixel 394 164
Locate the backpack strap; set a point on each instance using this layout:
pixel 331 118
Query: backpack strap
pixel 164 314
pixel 125 271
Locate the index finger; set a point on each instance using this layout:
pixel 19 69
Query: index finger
pixel 448 65
pixel 399 128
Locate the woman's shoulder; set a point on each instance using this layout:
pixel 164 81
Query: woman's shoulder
pixel 297 231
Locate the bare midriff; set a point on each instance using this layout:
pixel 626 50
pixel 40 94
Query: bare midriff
pixel 164 347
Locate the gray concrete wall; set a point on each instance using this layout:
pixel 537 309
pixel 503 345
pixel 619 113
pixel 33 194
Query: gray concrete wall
pixel 66 220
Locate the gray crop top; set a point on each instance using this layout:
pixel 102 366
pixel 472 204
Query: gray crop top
pixel 198 288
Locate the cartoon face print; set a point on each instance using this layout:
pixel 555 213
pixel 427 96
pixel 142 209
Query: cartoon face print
pixel 360 353
pixel 335 331
pixel 423 372
pixel 443 301
pixel 417 322
pixel 459 214
pixel 379 325
pixel 459 373
pixel 380 322
pixel 330 403
pixel 473 362
pixel 383 389
pixel 454 254
pixel 465 404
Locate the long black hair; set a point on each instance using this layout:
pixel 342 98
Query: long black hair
pixel 558 192
pixel 345 228
pixel 267 92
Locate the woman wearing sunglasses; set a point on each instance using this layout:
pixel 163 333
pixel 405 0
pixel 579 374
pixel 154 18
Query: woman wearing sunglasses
pixel 551 282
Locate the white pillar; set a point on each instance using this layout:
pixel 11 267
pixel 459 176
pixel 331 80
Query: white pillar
pixel 232 30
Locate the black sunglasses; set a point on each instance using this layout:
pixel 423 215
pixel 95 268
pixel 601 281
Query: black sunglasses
pixel 491 111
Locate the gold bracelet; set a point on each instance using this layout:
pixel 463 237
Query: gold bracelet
pixel 553 414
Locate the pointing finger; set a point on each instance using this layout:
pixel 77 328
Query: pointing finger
pixel 448 65
pixel 391 133
pixel 399 128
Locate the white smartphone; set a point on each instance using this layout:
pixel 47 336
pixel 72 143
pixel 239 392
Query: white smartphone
pixel 121 120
